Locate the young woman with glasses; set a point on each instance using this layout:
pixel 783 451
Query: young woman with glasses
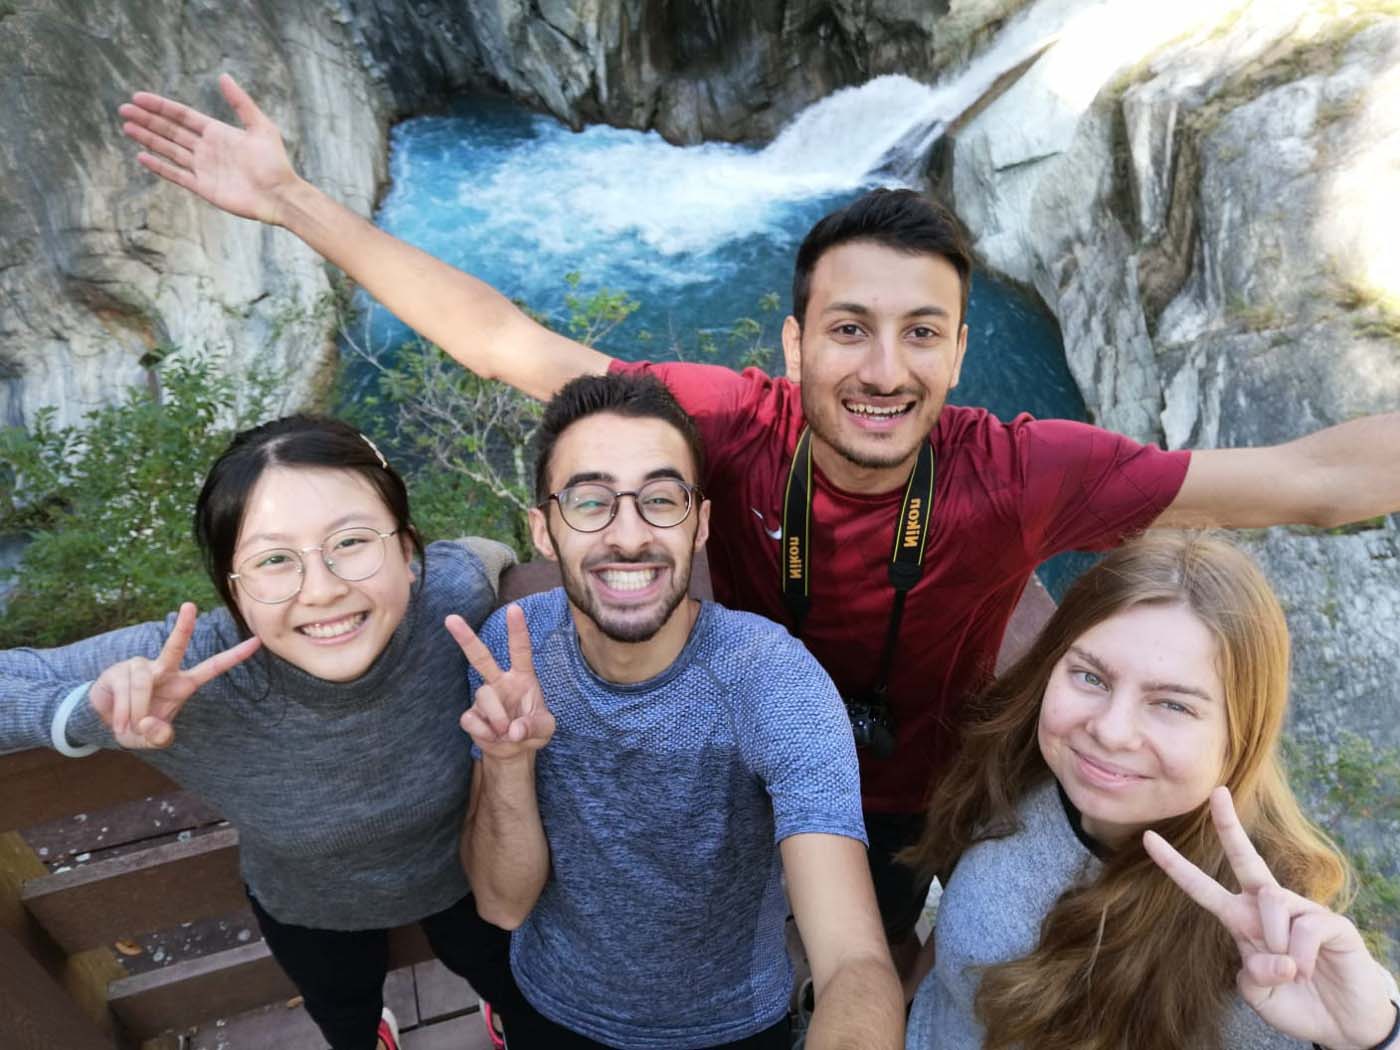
pixel 318 709
pixel 1125 864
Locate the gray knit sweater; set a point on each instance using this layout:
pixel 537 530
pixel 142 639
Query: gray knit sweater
pixel 348 797
pixel 991 912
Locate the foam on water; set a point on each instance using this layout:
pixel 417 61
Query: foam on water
pixel 628 206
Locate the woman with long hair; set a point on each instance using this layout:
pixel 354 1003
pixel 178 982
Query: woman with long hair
pixel 1131 755
pixel 317 709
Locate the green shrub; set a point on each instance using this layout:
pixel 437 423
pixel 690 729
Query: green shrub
pixel 1353 784
pixel 106 506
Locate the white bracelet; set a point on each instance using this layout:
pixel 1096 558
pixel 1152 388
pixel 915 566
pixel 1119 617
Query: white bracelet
pixel 58 732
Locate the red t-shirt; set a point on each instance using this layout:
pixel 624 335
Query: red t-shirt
pixel 1007 496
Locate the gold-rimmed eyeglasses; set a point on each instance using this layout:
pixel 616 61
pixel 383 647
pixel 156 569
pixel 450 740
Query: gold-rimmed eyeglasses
pixel 273 576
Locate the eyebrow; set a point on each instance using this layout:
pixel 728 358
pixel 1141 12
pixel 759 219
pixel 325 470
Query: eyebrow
pixel 861 310
pixel 282 537
pixel 1151 687
pixel 584 477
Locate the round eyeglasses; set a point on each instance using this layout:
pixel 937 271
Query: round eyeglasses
pixel 274 576
pixel 591 505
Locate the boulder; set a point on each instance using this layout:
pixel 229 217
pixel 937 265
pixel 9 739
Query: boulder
pixel 106 268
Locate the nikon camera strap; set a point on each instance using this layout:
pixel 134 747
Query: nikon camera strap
pixel 910 539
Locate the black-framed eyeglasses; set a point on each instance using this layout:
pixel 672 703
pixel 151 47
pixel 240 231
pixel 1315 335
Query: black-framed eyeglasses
pixel 275 575
pixel 591 506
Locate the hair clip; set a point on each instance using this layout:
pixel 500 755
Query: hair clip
pixel 382 461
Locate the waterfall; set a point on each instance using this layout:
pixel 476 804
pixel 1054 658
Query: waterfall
pixel 550 193
pixel 883 130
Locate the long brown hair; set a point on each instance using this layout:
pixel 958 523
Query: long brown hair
pixel 1110 971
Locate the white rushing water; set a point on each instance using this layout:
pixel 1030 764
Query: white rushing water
pixel 574 191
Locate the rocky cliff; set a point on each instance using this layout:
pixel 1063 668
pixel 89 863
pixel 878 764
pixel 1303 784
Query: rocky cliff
pixel 691 69
pixel 1207 207
pixel 102 266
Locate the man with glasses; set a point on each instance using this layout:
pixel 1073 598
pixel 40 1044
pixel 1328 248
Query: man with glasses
pixel 650 767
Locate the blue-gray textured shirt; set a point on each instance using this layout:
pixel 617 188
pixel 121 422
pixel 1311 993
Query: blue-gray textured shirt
pixel 348 797
pixel 661 925
pixel 991 912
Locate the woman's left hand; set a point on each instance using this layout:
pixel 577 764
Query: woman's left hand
pixel 1304 969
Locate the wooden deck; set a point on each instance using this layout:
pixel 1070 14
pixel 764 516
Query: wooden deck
pixel 123 924
pixel 436 1010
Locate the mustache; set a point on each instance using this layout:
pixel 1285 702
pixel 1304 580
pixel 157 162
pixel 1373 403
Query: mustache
pixel 914 393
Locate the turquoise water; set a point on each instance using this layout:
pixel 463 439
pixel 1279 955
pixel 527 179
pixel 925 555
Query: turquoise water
pixel 699 236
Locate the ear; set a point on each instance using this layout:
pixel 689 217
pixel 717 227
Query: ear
pixel 958 361
pixel 702 531
pixel 539 533
pixel 792 348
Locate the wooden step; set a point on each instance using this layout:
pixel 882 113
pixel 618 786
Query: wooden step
pixel 224 983
pixel 104 901
pixel 40 785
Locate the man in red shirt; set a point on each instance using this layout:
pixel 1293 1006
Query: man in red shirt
pixel 875 343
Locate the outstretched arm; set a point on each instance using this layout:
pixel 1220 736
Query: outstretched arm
pixel 1342 474
pixel 504 850
pixel 859 1005
pixel 245 171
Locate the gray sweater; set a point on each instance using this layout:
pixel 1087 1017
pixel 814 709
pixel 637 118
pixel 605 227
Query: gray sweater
pixel 991 912
pixel 348 797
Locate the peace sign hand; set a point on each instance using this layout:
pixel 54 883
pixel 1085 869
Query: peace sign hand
pixel 508 718
pixel 1305 969
pixel 244 170
pixel 138 699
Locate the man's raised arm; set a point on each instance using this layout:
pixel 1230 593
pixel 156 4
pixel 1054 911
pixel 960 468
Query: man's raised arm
pixel 246 172
pixel 1345 473
pixel 859 1005
pixel 503 846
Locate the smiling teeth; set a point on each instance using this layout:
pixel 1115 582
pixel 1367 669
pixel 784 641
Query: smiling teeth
pixel 333 629
pixel 874 410
pixel 629 579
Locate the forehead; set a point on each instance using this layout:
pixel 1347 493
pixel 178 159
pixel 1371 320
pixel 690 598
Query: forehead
pixel 620 447
pixel 881 277
pixel 1157 643
pixel 300 501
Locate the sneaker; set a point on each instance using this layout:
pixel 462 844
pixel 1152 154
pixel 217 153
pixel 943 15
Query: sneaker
pixel 389 1029
pixel 494 1028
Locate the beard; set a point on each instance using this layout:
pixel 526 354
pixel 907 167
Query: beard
pixel 632 625
pixel 873 454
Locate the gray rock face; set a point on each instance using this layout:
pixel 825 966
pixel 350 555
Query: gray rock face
pixel 103 264
pixel 1207 207
pixel 692 69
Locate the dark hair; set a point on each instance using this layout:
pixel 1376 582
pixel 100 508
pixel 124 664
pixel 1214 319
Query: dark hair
pixel 634 395
pixel 292 441
pixel 900 219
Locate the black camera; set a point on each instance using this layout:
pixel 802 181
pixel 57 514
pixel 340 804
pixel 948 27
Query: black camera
pixel 872 724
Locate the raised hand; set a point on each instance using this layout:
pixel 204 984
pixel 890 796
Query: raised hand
pixel 244 171
pixel 138 699
pixel 1304 969
pixel 508 717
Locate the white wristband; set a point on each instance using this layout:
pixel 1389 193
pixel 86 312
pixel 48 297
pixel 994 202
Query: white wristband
pixel 58 732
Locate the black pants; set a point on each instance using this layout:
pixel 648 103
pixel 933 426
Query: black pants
pixel 340 974
pixel 899 890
